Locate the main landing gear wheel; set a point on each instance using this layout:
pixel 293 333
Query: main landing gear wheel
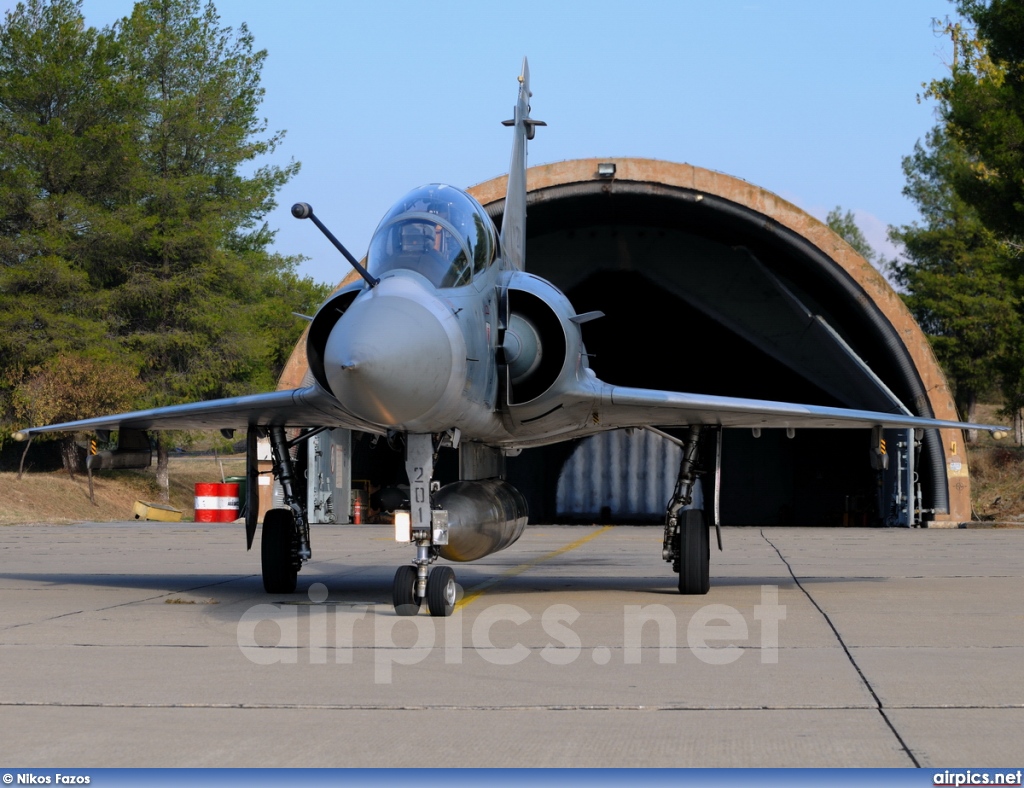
pixel 694 551
pixel 277 551
pixel 441 591
pixel 403 592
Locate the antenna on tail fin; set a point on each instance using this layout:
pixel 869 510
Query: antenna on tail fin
pixel 513 224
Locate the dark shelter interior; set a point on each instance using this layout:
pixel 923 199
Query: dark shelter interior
pixel 704 295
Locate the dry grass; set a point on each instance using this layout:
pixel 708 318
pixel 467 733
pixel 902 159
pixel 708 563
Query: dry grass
pixel 56 498
pixel 997 472
pixel 997 483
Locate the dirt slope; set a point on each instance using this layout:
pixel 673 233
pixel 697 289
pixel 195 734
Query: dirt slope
pixel 56 498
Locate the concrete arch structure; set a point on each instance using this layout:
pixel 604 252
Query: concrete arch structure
pixel 712 284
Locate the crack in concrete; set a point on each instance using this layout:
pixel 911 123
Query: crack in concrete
pixel 878 701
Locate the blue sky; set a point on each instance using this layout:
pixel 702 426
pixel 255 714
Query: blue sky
pixel 814 100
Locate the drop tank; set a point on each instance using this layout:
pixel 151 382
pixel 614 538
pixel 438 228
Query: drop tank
pixel 483 517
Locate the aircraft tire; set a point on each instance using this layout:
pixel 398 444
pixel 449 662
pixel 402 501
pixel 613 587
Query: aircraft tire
pixel 441 591
pixel 694 553
pixel 403 591
pixel 277 547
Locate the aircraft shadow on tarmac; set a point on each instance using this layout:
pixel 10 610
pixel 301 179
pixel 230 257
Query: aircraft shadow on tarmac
pixel 372 585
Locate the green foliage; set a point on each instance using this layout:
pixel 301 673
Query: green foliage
pixel 68 387
pixel 973 181
pixel 132 210
pixel 71 386
pixel 56 132
pixel 982 103
pixel 845 226
pixel 193 301
pixel 957 276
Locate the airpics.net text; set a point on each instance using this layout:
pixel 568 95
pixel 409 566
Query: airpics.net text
pixel 716 634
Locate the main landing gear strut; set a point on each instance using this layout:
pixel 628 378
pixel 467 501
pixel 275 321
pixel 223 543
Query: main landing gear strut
pixel 284 546
pixel 428 529
pixel 687 544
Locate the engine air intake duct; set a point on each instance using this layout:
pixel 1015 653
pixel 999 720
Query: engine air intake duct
pixel 320 331
pixel 536 347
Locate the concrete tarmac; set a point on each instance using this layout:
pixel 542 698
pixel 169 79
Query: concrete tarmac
pixel 145 644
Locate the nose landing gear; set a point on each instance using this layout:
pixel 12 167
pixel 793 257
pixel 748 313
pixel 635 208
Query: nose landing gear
pixel 428 528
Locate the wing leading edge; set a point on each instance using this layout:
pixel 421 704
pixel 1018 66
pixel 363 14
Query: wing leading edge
pixel 624 407
pixel 304 407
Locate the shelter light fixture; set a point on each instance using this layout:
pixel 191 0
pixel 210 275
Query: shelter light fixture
pixel 606 169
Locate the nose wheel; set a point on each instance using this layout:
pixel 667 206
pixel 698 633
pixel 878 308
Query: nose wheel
pixel 441 591
pixel 403 592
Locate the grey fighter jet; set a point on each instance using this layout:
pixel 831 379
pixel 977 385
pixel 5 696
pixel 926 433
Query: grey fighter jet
pixel 446 342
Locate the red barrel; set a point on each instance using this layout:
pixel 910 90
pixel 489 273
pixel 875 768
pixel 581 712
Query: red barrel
pixel 216 503
pixel 207 503
pixel 227 498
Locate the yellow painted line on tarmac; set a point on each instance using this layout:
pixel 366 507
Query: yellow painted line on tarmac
pixel 481 589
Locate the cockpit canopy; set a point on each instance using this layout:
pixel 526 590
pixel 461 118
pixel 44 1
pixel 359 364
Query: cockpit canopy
pixel 437 231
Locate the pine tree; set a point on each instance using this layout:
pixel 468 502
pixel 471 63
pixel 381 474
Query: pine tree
pixel 982 103
pixel 133 218
pixel 62 136
pixel 957 276
pixel 845 226
pixel 198 263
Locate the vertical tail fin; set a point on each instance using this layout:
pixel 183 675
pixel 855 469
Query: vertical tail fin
pixel 513 224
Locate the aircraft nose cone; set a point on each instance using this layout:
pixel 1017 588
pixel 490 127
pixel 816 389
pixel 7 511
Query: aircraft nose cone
pixel 389 360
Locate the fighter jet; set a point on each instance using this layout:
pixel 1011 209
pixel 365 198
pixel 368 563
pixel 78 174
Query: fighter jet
pixel 444 342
